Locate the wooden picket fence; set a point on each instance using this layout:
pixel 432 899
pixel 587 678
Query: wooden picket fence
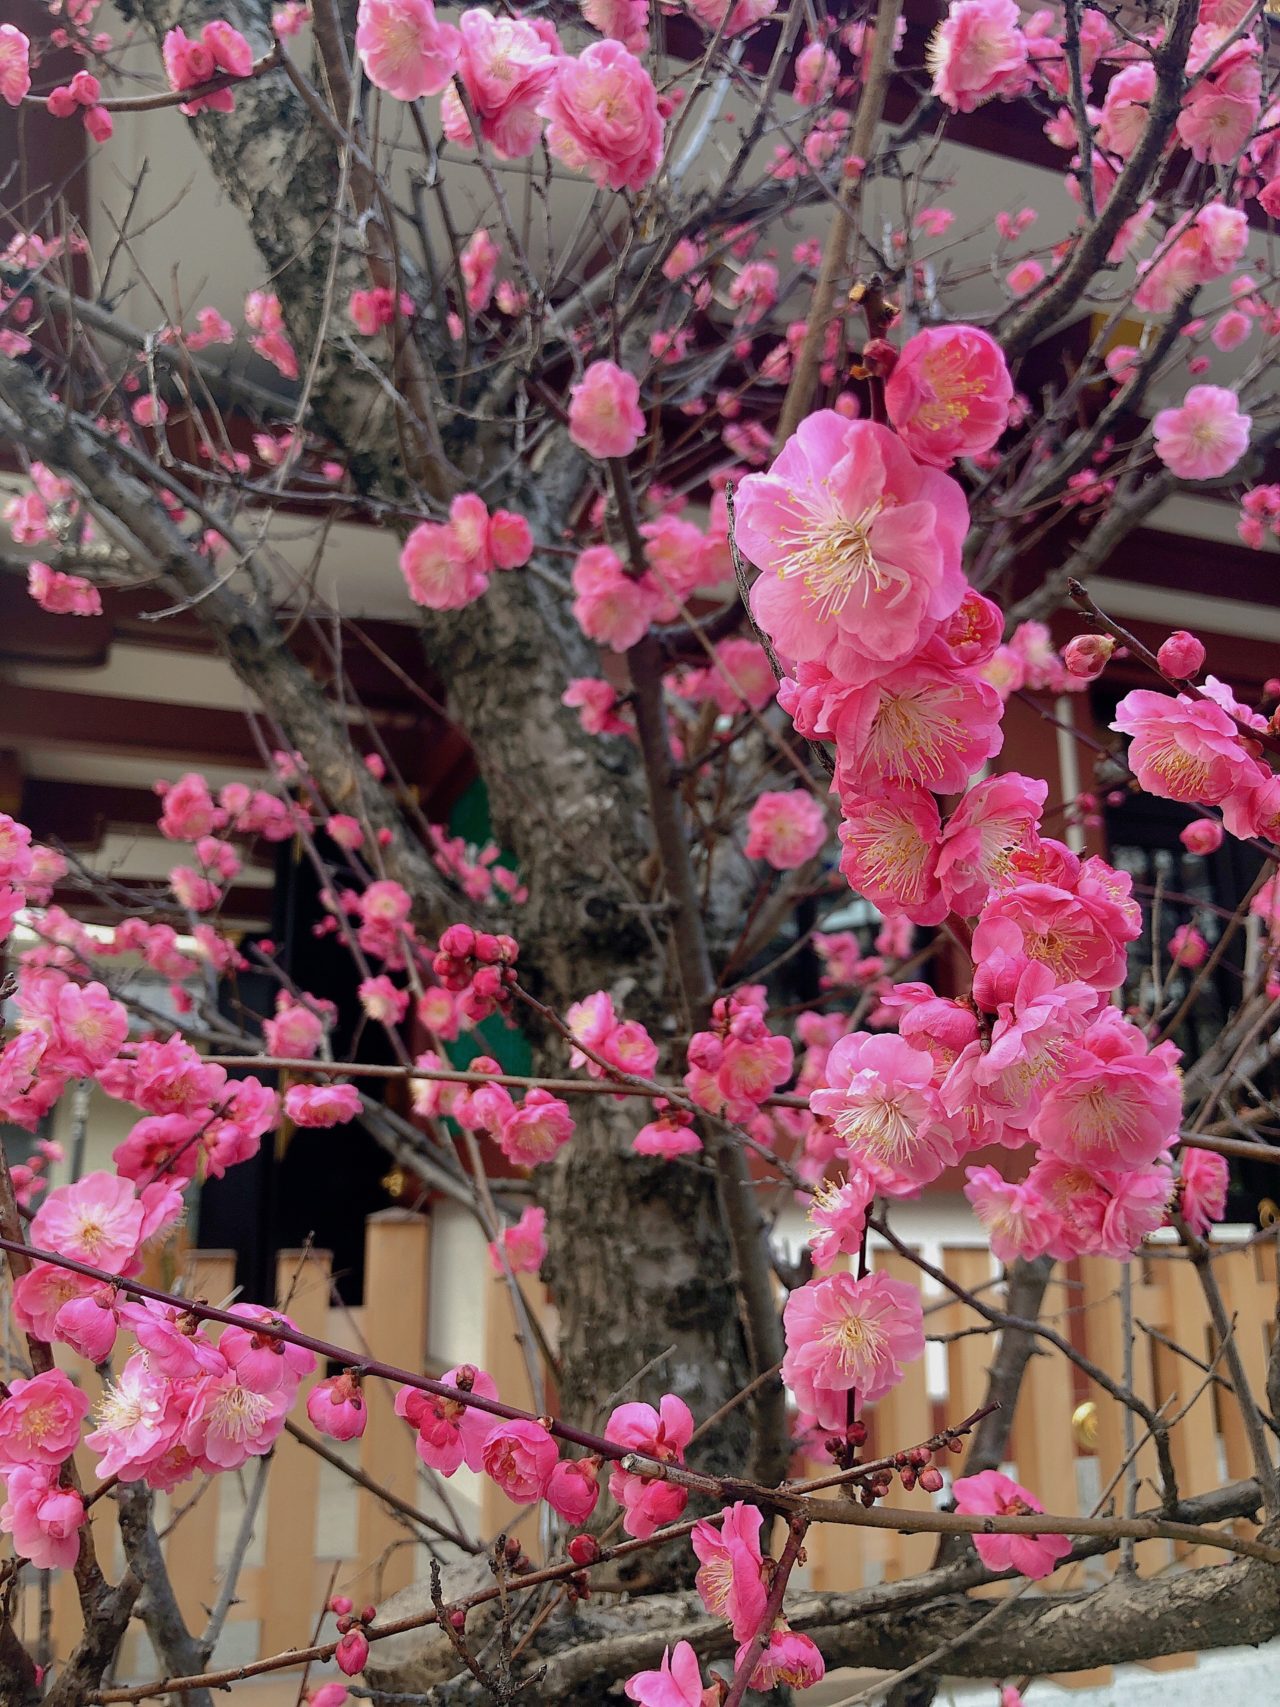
pixel 315 1531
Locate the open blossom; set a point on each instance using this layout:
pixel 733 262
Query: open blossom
pixel 730 1575
pixel 845 1335
pixel 188 63
pixel 1205 436
pixel 98 1220
pixel 524 1245
pixel 1183 747
pixel 506 66
pixel 676 1683
pixel 605 418
pixel 786 829
pixel 610 606
pixel 1202 1188
pixel 662 1434
pixel 15 64
pixel 976 52
pixel 534 1132
pixel 924 723
pixel 989 1494
pixel 602 117
pixel 1018 1221
pixel 949 393
pixel 404 47
pixel 860 546
pixel 321 1105
pixel 997 819
pixel 889 843
pixel 450 1433
pixel 1114 1103
pixel 880 1097
pixel 40 1420
pixel 43 1518
pixel 62 594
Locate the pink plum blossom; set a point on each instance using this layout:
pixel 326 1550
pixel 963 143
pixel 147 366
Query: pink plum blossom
pixel 605 418
pixel 450 1432
pixel 990 1494
pixel 949 393
pixel 978 51
pixel 849 1337
pixel 602 117
pixel 1205 436
pixel 860 546
pixel 730 1575
pixel 786 829
pixel 661 1434
pixel 404 47
pixel 322 1104
pixel 520 1457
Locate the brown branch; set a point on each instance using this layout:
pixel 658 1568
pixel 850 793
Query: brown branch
pixel 835 255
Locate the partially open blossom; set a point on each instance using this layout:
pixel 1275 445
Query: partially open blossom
pixel 605 418
pixel 730 1575
pixel 789 1659
pixel 610 605
pixel 1202 1186
pixel 336 1407
pixel 573 1489
pixel 42 1518
pixel 676 1683
pixel 322 1104
pixel 1085 655
pixel 1181 655
pixel 188 63
pixel 520 1457
pixel 989 1494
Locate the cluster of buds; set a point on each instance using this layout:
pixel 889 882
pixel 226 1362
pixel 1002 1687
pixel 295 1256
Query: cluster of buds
pixel 353 1645
pixel 478 963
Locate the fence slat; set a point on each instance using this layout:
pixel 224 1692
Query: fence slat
pixel 289 1611
pixel 395 1307
pixel 903 1418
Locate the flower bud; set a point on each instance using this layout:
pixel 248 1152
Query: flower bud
pixel 341 1604
pixel 1181 656
pixel 931 1481
pixel 352 1652
pixel 1201 836
pixel 1085 655
pixel 584 1550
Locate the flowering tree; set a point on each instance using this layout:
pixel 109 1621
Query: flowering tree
pixel 720 534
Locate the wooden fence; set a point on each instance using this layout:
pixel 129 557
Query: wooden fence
pixel 316 1531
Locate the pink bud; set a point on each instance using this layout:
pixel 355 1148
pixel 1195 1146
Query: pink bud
pixel 584 1550
pixel 1181 656
pixel 1086 655
pixel 352 1652
pixel 341 1604
pixel 931 1480
pixel 1201 836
